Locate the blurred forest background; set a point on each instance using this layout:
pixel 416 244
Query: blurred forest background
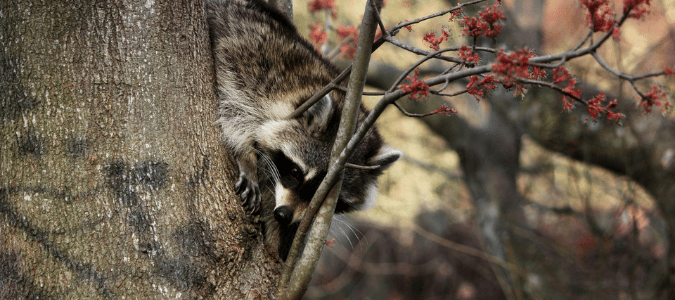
pixel 512 198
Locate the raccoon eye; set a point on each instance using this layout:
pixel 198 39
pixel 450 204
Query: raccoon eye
pixel 296 173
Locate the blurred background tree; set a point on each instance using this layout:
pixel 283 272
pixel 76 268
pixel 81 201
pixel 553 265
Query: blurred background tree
pixel 560 206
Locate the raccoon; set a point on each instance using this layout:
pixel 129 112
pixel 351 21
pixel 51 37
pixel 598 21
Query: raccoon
pixel 264 71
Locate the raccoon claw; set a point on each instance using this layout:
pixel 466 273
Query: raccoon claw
pixel 249 192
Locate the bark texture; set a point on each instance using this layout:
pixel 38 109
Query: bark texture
pixel 113 179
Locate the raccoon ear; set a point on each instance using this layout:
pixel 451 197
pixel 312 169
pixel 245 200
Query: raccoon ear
pixel 385 158
pixel 319 114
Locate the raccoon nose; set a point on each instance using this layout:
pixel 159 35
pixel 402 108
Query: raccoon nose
pixel 283 214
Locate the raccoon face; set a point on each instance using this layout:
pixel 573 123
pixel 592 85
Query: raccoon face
pixel 294 188
pixel 296 183
pixel 297 163
pixel 296 153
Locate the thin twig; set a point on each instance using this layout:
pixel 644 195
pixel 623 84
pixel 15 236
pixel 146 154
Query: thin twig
pixel 329 87
pixel 361 167
pixel 418 51
pixel 588 35
pixel 448 95
pixel 630 78
pixel 620 74
pixel 429 56
pixel 438 14
pixel 379 20
pixel 468 250
pixel 448 70
pixel 551 86
pixel 334 53
pixel 324 47
pixel 409 114
pixel 364 93
pixel 550 66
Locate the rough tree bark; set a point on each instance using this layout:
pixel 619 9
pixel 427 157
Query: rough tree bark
pixel 113 179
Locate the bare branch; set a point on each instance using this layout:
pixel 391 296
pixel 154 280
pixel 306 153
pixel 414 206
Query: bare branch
pixel 324 203
pixel 379 20
pixel 438 14
pixel 334 53
pixel 553 87
pixel 330 86
pixel 418 51
pixel 623 75
pixel 409 114
pixel 325 90
pixel 582 42
pixel 468 250
pixel 344 89
pixel 360 167
pixel 448 95
pixel 429 56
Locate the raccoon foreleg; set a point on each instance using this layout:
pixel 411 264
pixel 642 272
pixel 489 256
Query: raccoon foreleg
pixel 247 185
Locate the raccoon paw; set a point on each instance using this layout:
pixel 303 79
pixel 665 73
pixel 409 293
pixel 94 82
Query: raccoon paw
pixel 249 192
pixel 247 185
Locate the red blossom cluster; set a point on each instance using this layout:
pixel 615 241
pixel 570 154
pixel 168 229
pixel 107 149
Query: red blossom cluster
pixel 445 110
pixel 651 99
pixel 348 49
pixel 567 104
pixel 561 74
pixel 317 35
pixel 317 5
pixel 616 34
pixel 455 13
pixel 486 23
pixel 466 52
pixel 600 15
pixel 516 65
pixel 417 88
pixel 433 41
pixel 668 71
pixel 480 88
pixel 595 108
pixel 636 7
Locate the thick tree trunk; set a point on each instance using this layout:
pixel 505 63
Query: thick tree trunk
pixel 113 179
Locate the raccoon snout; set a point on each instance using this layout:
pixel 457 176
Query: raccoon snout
pixel 283 214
